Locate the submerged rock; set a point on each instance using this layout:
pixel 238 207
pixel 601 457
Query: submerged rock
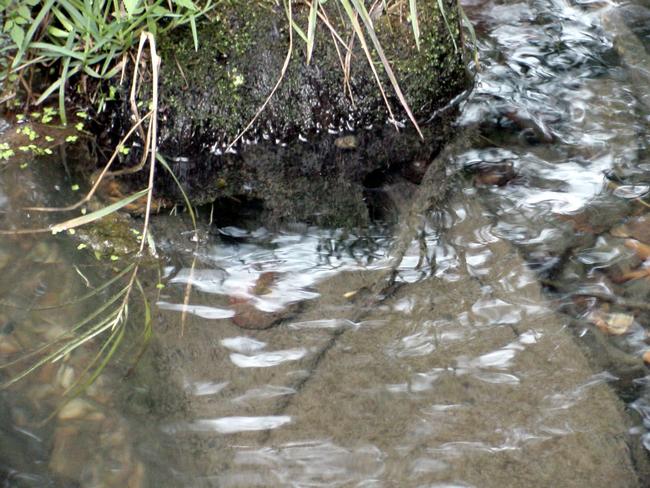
pixel 324 131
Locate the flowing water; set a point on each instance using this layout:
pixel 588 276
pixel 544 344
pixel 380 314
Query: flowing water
pixel 507 350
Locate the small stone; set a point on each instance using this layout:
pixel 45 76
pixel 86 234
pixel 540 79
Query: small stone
pixel 41 392
pixel 47 373
pixel 8 345
pixel 64 460
pixel 136 479
pixel 612 323
pixel 642 250
pixel 247 316
pixel 75 409
pixel 52 332
pixel 495 174
pixel 65 376
pixel 646 357
pixel 637 228
pixel 346 142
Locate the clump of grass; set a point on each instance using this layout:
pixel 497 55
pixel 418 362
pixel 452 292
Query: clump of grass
pixel 109 321
pixel 90 38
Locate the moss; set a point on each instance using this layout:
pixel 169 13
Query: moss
pixel 211 94
pixel 110 236
pixel 208 96
pixel 435 73
pixel 205 87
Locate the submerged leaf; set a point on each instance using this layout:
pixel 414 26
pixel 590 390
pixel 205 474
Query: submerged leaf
pixel 637 228
pixel 642 250
pixel 612 323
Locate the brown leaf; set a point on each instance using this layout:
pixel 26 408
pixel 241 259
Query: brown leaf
pixel 642 250
pixel 637 228
pixel 646 357
pixel 247 316
pixel 631 275
pixel 264 282
pixel 584 221
pixel 612 323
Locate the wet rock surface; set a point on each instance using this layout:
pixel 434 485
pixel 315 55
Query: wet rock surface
pixel 465 375
pixel 324 130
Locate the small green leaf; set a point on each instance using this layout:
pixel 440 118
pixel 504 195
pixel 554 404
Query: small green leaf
pixel 188 4
pixel 131 6
pixel 81 246
pixel 74 187
pixel 23 11
pixel 17 35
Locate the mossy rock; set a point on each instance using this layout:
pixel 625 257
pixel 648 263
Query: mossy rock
pixel 300 146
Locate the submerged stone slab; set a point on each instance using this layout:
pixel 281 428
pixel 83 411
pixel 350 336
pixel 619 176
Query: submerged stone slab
pixel 463 376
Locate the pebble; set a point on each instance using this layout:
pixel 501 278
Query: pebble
pixel 52 332
pixel 247 316
pixel 637 228
pixel 40 393
pixel 8 345
pixel 646 357
pixel 65 376
pixel 68 458
pixel 642 250
pixel 346 142
pixel 136 479
pixel 78 408
pixel 47 373
pixel 612 323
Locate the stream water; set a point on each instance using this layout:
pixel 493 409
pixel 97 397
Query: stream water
pixel 508 352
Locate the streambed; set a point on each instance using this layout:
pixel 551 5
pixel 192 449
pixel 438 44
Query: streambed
pixel 490 361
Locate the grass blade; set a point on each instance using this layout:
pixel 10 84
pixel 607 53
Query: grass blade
pixel 195 35
pixel 32 30
pixel 64 78
pixel 413 12
pixel 54 86
pixel 53 50
pixel 360 9
pixel 443 11
pixel 311 28
pixel 472 34
pixel 162 161
pixel 91 217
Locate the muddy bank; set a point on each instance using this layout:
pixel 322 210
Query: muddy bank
pixel 326 132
